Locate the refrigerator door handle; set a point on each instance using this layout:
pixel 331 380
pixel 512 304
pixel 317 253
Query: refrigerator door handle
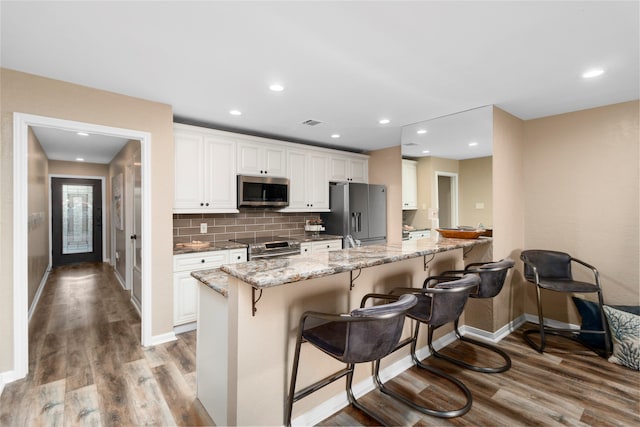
pixel 354 222
pixel 359 222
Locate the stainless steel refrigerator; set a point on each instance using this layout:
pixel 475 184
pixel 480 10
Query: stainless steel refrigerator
pixel 357 210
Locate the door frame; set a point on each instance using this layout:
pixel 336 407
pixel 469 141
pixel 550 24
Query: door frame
pixel 21 124
pixel 454 194
pixel 104 197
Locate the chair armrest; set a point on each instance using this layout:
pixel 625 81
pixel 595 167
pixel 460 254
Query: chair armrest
pixel 438 279
pixel 535 271
pixel 378 296
pixel 596 275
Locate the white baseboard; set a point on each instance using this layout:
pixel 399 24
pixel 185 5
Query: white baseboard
pixel 161 339
pixel 187 327
pixel 38 294
pixel 7 377
pixel 136 304
pixel 119 278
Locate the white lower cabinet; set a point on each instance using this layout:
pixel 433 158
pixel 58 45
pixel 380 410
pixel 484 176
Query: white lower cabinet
pixel 308 248
pixel 185 287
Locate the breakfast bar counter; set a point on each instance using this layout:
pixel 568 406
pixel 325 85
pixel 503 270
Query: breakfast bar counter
pixel 248 317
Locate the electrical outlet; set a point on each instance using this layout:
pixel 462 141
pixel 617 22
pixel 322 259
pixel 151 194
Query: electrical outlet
pixel 203 227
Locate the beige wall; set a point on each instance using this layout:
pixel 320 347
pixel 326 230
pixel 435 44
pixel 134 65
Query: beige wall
pixel 38 206
pixel 508 213
pixel 581 182
pixel 59 167
pixel 385 167
pixel 475 177
pixel 46 97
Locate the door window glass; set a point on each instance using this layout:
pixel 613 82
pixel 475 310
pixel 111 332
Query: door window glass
pixel 77 219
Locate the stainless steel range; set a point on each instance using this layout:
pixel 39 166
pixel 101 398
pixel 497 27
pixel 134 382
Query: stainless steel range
pixel 269 247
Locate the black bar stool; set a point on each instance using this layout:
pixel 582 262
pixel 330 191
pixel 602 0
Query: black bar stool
pixel 438 304
pixel 492 276
pixel 364 335
pixel 551 270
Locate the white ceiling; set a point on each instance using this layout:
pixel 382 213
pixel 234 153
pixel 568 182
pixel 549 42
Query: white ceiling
pixel 346 64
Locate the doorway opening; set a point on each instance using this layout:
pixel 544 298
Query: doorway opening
pixel 21 124
pixel 76 221
pixel 446 195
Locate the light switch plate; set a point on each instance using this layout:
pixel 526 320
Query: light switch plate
pixel 203 227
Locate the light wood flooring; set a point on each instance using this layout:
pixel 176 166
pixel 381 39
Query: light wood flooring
pixel 86 367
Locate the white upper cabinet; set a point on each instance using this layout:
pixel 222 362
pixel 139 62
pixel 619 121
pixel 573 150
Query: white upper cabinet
pixel 409 184
pixel 205 173
pixel 207 163
pixel 308 180
pixel 261 159
pixel 348 168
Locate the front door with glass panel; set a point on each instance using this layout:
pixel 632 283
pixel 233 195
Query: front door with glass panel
pixel 76 220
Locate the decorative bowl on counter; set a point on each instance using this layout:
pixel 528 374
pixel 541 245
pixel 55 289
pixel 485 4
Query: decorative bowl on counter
pixel 457 233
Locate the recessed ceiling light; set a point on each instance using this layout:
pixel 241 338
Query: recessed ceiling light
pixel 79 159
pixel 335 135
pixel 235 112
pixel 595 72
pixel 421 131
pixel 276 87
pixel 473 144
pixel 425 151
pixel 82 133
pixel 384 121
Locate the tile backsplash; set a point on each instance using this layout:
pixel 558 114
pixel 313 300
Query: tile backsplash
pixel 248 223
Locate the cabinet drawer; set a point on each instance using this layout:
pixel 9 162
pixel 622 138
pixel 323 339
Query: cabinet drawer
pixel 200 261
pixel 328 245
pixel 237 255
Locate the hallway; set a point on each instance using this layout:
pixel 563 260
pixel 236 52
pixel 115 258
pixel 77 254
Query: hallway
pixel 86 364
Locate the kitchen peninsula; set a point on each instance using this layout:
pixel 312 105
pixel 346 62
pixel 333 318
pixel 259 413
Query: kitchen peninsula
pixel 248 317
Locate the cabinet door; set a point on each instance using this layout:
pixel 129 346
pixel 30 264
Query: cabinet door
pixel 318 181
pixel 185 298
pixel 359 171
pixel 409 185
pixel 220 175
pixel 297 175
pixel 275 161
pixel 249 161
pixel 189 171
pixel 339 168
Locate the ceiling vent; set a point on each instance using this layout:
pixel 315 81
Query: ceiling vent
pixel 311 122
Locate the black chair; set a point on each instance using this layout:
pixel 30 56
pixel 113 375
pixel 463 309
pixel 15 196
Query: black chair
pixel 551 270
pixel 492 276
pixel 364 335
pixel 438 304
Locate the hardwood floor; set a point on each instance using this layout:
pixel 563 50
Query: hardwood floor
pixel 86 367
pixel 568 385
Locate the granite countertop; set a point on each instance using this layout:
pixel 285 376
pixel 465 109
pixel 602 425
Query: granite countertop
pixel 217 246
pixel 279 271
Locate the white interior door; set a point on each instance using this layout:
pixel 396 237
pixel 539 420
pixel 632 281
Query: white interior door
pixel 136 229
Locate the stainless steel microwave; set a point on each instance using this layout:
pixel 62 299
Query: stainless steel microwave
pixel 263 191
